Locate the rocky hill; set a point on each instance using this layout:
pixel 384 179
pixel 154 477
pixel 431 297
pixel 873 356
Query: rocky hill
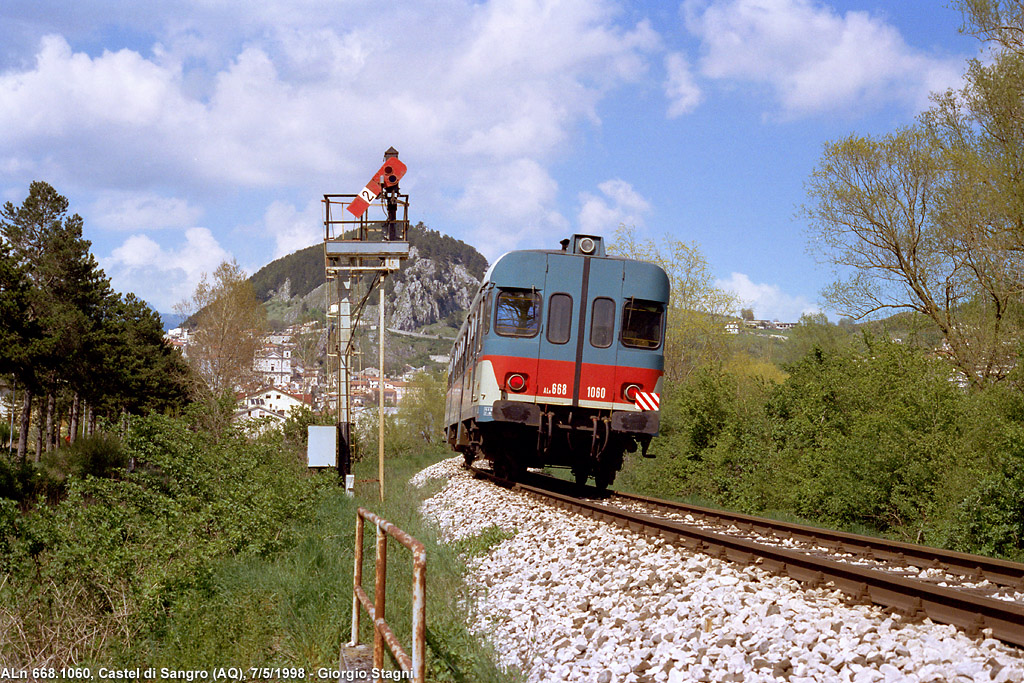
pixel 435 283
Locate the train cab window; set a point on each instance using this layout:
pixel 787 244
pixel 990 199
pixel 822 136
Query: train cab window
pixel 517 313
pixel 559 318
pixel 602 323
pixel 641 323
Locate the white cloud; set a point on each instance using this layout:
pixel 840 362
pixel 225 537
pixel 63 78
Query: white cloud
pixel 115 119
pixel 293 229
pixel 619 203
pixel 682 91
pixel 224 100
pixel 161 276
pixel 141 211
pixel 510 205
pixel 306 96
pixel 769 302
pixel 812 58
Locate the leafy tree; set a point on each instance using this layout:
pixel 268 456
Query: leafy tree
pixel 229 326
pixel 310 350
pixel 421 410
pixel 1000 21
pixel 132 367
pixel 18 327
pixel 814 331
pixel 70 336
pixel 931 218
pixel 695 335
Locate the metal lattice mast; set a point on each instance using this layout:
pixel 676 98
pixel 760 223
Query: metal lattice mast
pixel 359 252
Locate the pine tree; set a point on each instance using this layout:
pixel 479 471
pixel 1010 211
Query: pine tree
pixel 72 336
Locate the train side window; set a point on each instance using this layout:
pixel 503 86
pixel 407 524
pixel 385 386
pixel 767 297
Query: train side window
pixel 486 315
pixel 641 323
pixel 517 313
pixel 602 323
pixel 559 318
pixel 481 325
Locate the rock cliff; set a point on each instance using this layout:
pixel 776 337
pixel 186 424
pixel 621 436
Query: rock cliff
pixel 438 280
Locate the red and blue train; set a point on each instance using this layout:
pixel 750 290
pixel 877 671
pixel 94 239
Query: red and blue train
pixel 559 362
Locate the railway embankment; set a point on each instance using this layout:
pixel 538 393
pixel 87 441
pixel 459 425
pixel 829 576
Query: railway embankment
pixel 569 598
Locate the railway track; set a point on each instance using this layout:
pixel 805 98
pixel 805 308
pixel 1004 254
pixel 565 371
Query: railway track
pixel 969 591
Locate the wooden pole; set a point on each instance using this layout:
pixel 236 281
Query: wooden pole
pixel 380 387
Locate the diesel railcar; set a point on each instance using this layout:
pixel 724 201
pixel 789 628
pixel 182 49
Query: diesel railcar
pixel 559 362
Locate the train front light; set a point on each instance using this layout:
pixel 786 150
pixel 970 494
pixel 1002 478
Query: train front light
pixel 515 381
pixel 629 391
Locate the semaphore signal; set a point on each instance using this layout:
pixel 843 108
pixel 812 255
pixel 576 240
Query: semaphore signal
pixel 386 176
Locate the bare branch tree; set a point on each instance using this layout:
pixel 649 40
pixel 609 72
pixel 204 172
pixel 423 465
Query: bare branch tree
pixel 229 326
pixel 696 333
pixel 898 219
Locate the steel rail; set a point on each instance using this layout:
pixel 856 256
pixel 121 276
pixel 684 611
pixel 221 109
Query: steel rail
pixel 912 597
pixel 975 567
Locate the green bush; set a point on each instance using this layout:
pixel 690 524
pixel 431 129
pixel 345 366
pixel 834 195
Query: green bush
pixel 990 518
pixel 100 455
pixel 876 437
pixel 110 561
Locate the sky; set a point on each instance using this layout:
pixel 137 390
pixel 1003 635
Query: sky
pixel 192 132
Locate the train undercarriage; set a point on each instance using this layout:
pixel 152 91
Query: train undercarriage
pixel 589 443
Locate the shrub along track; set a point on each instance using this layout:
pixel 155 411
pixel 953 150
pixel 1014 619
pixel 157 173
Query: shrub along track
pixel 899 576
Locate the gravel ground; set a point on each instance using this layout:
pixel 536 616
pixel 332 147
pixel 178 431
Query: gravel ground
pixel 572 599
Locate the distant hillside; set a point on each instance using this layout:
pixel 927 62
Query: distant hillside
pixel 302 271
pixel 171 320
pixel 437 280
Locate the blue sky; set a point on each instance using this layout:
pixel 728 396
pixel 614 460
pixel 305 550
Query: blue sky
pixel 191 132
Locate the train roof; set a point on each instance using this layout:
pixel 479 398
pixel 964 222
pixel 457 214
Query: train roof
pixel 578 245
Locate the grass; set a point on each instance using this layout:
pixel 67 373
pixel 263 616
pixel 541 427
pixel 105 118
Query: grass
pixel 291 608
pixel 454 654
pixel 776 515
pixel 294 608
pixel 481 543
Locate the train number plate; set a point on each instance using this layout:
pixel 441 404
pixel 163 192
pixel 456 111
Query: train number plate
pixel 556 389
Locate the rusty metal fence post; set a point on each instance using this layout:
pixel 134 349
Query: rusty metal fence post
pixel 382 633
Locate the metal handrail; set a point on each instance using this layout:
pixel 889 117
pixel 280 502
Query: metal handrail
pixel 381 631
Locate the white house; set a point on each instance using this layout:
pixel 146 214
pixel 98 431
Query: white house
pixel 249 417
pixel 274 365
pixel 270 400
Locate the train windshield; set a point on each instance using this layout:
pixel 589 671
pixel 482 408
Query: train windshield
pixel 517 313
pixel 641 323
